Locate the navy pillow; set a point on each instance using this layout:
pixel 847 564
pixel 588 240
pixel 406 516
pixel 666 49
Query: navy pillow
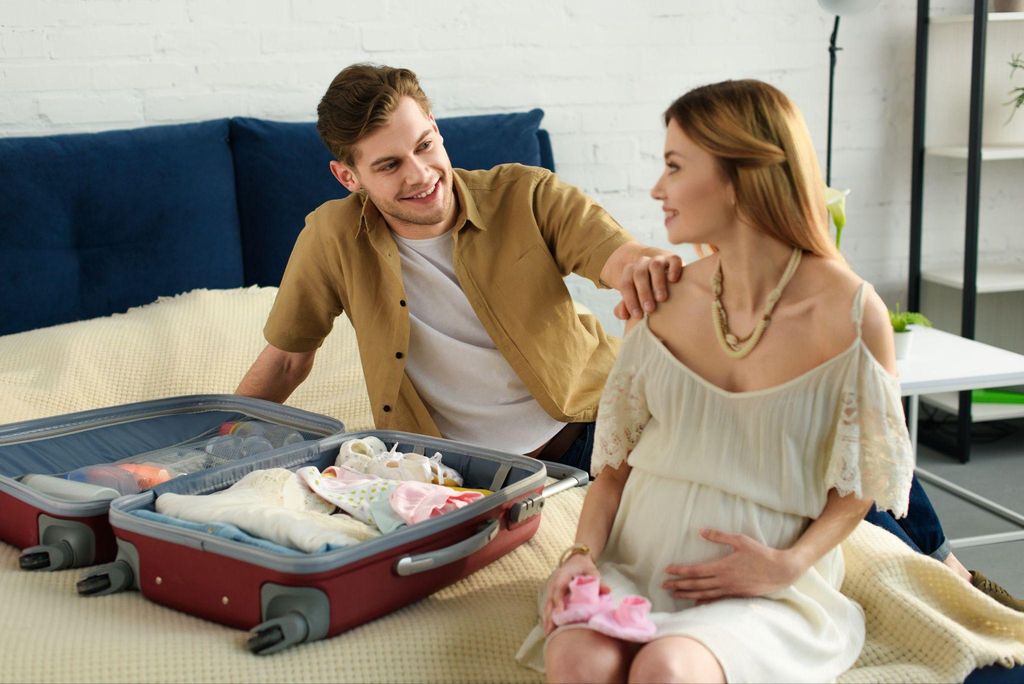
pixel 282 174
pixel 483 141
pixel 96 223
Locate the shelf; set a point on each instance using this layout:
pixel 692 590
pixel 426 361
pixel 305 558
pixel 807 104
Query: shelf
pixel 988 152
pixel 950 402
pixel 991 278
pixel 968 18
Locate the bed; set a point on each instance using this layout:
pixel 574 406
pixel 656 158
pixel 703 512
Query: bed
pixel 141 264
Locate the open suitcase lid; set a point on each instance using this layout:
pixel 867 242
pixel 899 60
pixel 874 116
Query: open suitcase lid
pixel 62 443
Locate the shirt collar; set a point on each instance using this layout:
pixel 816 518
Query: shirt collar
pixel 370 217
pixel 469 212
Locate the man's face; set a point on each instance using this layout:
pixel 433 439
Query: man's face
pixel 404 170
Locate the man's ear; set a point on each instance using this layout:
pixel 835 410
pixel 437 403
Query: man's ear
pixel 346 176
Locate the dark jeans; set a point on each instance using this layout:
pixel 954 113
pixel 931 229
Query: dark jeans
pixel 578 454
pixel 920 529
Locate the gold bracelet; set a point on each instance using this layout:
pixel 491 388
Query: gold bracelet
pixel 574 550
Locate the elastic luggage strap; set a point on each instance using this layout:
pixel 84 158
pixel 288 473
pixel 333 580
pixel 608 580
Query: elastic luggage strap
pixel 500 476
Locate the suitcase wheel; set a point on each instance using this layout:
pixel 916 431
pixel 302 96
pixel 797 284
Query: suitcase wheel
pixel 106 579
pixel 278 634
pixel 47 557
pixel 62 544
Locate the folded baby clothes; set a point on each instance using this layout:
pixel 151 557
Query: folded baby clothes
pixel 274 505
pixel 384 516
pixel 415 502
pixel 349 490
pixel 219 529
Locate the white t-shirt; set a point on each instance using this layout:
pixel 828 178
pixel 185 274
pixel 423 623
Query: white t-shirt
pixel 471 391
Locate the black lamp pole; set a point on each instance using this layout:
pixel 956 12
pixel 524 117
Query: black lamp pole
pixel 832 50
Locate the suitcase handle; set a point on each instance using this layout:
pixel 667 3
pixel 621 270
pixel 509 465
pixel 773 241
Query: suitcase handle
pixel 569 477
pixel 411 565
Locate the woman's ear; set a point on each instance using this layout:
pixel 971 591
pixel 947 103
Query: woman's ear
pixel 346 176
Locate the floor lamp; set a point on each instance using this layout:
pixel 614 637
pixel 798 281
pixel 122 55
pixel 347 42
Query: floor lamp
pixel 839 8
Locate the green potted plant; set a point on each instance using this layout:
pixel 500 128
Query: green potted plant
pixel 902 332
pixel 835 201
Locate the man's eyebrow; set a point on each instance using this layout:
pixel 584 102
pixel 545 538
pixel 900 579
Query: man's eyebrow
pixel 420 139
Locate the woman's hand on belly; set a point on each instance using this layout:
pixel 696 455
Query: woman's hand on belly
pixel 751 569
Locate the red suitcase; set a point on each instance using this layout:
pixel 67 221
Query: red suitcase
pixel 289 599
pixel 57 532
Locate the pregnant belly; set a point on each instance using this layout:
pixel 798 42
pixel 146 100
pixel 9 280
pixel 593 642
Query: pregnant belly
pixel 659 521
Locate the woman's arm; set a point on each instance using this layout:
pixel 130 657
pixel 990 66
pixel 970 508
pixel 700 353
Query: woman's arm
pixel 599 509
pixel 753 569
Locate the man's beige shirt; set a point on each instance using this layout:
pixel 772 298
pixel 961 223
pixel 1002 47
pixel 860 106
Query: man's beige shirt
pixel 518 232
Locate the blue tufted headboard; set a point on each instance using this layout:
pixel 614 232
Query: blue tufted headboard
pixel 92 224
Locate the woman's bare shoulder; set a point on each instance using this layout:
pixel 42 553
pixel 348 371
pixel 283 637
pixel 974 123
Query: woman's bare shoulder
pixel 830 285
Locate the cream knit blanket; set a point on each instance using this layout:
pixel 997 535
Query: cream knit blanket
pixel 196 343
pixel 924 624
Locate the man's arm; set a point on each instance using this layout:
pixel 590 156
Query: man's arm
pixel 582 235
pixel 276 373
pixel 641 274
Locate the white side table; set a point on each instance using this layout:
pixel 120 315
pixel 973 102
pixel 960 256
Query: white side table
pixel 943 362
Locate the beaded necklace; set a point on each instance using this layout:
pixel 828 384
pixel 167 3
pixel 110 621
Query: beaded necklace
pixel 735 347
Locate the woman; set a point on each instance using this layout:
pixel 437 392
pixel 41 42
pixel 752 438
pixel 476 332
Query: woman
pixel 745 430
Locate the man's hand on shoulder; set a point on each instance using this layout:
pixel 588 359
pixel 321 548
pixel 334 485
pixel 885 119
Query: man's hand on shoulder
pixel 642 276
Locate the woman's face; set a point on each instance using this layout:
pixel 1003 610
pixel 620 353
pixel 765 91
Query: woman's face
pixel 698 200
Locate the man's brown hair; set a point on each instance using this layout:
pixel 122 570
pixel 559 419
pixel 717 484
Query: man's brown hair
pixel 360 100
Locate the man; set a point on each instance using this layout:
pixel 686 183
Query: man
pixel 453 281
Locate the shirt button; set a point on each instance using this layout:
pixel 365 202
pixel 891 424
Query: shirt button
pixel 399 355
pixel 387 408
pixel 401 302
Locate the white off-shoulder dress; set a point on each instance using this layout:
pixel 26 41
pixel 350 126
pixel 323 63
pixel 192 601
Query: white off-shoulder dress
pixel 759 463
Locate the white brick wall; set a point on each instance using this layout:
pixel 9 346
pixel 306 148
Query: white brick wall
pixel 603 71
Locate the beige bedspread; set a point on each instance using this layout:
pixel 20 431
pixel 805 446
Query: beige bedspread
pixel 202 342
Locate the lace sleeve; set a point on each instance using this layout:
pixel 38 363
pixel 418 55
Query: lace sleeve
pixel 871 454
pixel 621 415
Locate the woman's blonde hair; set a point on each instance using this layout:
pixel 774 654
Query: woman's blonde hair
pixel 762 145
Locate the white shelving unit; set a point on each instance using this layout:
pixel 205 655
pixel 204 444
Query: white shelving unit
pixel 1006 309
pixel 968 18
pixel 961 79
pixel 992 277
pixel 988 152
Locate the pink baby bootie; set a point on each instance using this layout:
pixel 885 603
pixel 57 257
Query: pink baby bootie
pixel 628 621
pixel 585 600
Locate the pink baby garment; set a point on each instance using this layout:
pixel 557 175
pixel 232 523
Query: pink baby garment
pixel 349 490
pixel 585 600
pixel 415 502
pixel 628 621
